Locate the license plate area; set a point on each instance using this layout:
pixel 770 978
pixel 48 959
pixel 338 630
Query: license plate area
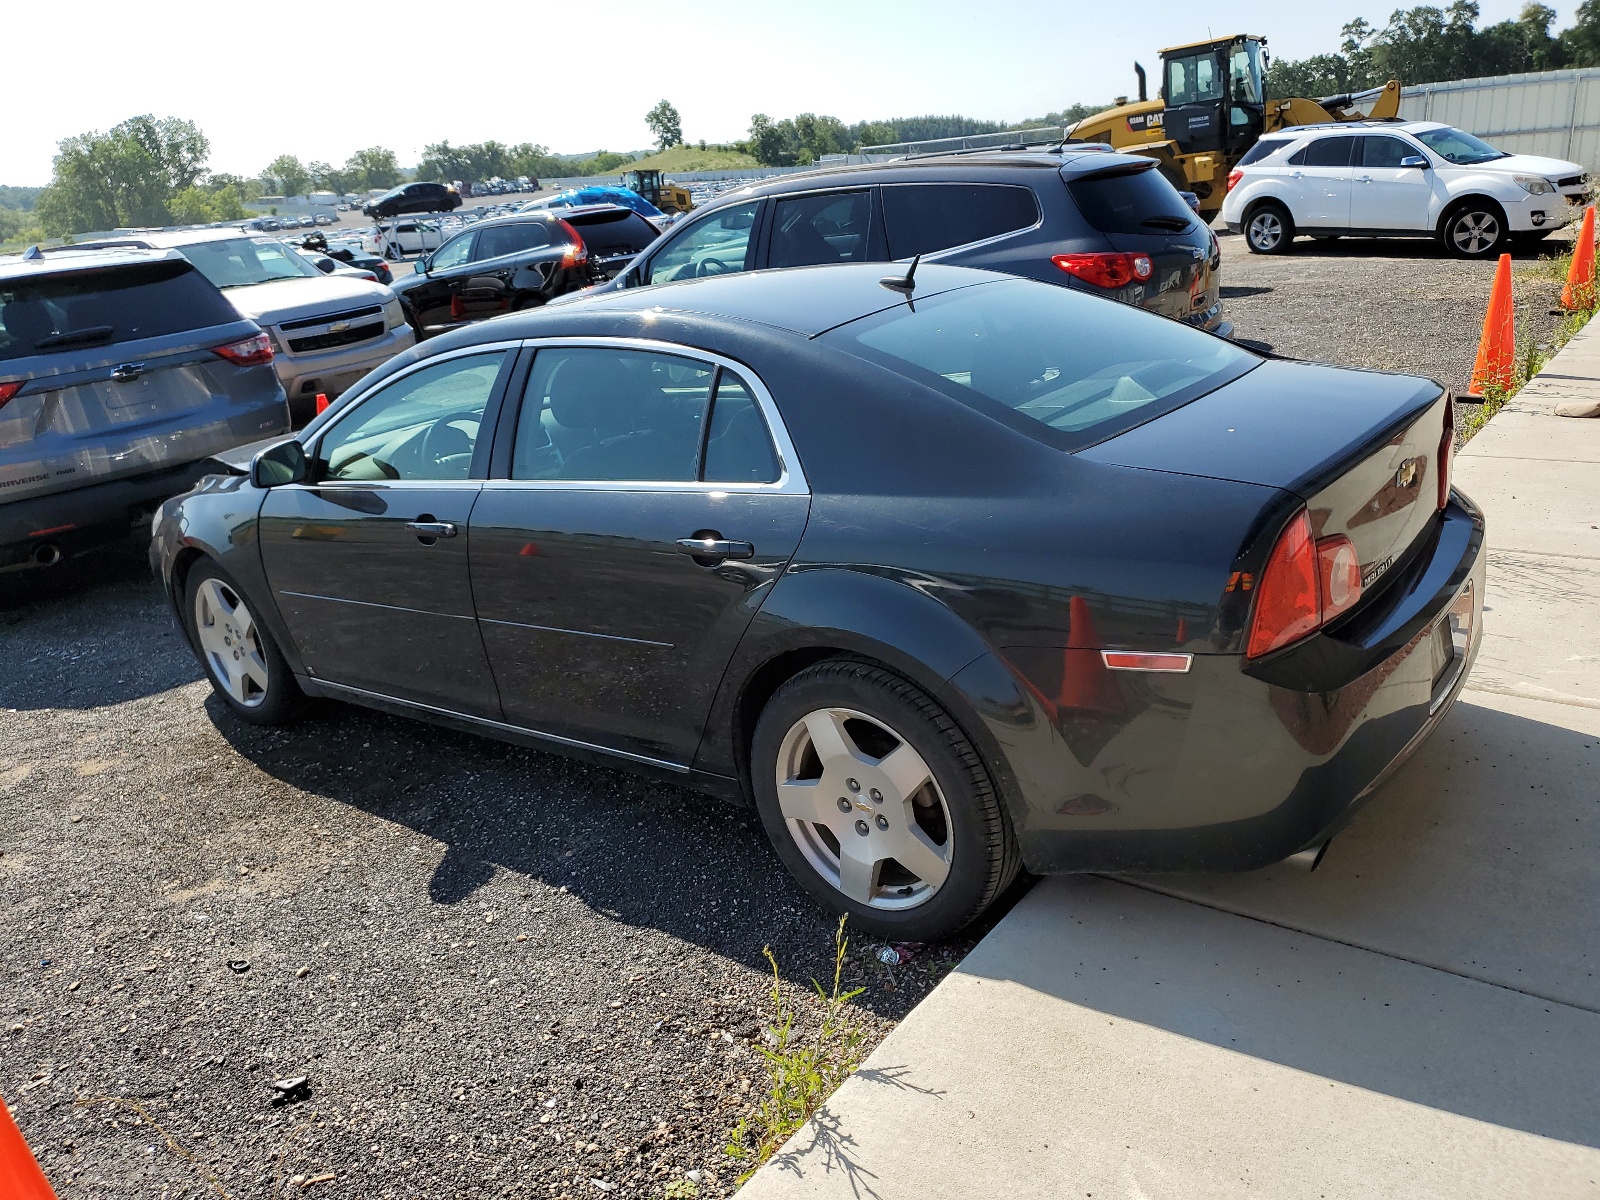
pixel 1449 643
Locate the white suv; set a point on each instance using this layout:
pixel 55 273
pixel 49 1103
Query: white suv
pixel 1398 179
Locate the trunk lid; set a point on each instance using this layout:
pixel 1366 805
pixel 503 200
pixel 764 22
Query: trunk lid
pixel 1361 448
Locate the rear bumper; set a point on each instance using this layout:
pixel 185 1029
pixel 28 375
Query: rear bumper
pixel 71 522
pixel 1218 770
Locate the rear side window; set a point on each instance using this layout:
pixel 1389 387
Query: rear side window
pixel 75 309
pixel 738 447
pixel 609 233
pixel 1138 201
pixel 1324 152
pixel 1067 368
pixel 922 218
pixel 828 228
pixel 498 240
pixel 1262 149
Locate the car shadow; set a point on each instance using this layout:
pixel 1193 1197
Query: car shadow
pixel 1411 248
pixel 640 851
pixel 91 632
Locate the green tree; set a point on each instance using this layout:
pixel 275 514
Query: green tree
pixel 374 167
pixel 665 124
pixel 288 175
pixel 124 177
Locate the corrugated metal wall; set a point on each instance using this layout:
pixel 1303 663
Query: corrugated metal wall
pixel 1555 113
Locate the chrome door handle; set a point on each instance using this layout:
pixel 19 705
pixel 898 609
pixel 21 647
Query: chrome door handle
pixel 1297 174
pixel 431 529
pixel 1363 178
pixel 716 548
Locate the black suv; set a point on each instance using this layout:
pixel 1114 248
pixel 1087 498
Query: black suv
pixel 414 198
pixel 517 262
pixel 1075 215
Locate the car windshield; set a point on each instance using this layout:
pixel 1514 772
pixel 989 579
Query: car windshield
pixel 1056 364
pixel 1463 149
pixel 240 262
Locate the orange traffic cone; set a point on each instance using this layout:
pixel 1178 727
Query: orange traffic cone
pixel 1086 684
pixel 1497 346
pixel 20 1177
pixel 1579 292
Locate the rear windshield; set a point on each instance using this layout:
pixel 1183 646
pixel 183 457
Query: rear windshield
pixel 608 233
pixel 76 309
pixel 242 261
pixel 1136 201
pixel 1070 369
pixel 921 218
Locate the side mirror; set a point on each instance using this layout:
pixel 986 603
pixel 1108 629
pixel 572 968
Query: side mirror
pixel 1414 160
pixel 420 267
pixel 279 464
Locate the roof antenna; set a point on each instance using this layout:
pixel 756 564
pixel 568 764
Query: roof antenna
pixel 904 284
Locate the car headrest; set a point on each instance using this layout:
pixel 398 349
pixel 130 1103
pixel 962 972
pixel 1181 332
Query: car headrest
pixel 27 321
pixel 596 389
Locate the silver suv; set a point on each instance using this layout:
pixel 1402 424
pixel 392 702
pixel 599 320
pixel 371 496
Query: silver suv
pixel 121 372
pixel 328 330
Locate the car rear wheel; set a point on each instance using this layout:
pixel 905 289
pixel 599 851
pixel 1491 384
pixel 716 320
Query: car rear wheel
pixel 241 660
pixel 1475 230
pixel 878 804
pixel 1269 229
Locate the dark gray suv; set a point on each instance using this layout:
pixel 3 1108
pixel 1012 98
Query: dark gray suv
pixel 1075 215
pixel 121 371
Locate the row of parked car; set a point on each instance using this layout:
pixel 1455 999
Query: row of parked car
pixel 925 506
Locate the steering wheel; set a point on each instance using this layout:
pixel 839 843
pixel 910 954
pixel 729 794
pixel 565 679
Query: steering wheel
pixel 713 266
pixel 446 440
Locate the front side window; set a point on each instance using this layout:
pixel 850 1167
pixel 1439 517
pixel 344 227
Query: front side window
pixel 1457 147
pixel 423 426
pixel 715 245
pixel 454 252
pixel 1065 367
pixel 1193 79
pixel 808 231
pixel 1385 151
pixel 499 240
pixel 244 261
pixel 595 414
pixel 922 218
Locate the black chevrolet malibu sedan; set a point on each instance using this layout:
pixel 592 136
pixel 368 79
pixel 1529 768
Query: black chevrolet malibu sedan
pixel 988 576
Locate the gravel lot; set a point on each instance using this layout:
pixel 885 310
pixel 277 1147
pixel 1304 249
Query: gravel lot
pixel 501 972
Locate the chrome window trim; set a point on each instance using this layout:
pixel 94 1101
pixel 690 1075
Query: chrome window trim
pixel 791 478
pixel 313 444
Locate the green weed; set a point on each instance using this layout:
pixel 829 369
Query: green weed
pixel 802 1069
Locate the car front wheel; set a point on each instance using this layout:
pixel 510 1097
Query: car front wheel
pixel 241 660
pixel 1475 230
pixel 1269 230
pixel 878 804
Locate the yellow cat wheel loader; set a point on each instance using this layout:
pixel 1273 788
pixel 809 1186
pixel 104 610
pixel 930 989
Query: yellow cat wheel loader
pixel 668 197
pixel 1210 110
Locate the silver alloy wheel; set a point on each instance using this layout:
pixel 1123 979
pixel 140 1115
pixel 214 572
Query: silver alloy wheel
pixel 869 818
pixel 229 642
pixel 1475 232
pixel 1266 230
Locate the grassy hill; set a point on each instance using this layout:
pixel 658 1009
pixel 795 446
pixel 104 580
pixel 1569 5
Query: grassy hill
pixel 687 158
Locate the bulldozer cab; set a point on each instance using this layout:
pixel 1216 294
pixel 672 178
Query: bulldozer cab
pixel 1215 94
pixel 646 183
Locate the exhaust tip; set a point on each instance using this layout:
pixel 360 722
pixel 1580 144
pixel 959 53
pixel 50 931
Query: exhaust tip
pixel 47 555
pixel 1308 859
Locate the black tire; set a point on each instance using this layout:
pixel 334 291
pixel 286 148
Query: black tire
pixel 1475 228
pixel 1268 229
pixel 281 699
pixel 982 853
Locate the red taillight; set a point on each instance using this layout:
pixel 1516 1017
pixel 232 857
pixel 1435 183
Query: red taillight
pixel 250 352
pixel 1307 583
pixel 1233 178
pixel 8 390
pixel 1447 450
pixel 1287 607
pixel 576 254
pixel 1111 270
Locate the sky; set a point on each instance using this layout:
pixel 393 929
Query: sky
pixel 404 73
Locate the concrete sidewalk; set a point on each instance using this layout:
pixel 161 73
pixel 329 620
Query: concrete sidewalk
pixel 1420 1017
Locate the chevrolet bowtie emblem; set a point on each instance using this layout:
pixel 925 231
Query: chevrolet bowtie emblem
pixel 338 326
pixel 1408 474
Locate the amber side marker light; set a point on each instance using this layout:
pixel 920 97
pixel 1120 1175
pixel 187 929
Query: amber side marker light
pixel 1128 660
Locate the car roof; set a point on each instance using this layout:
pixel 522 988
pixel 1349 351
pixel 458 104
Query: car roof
pixel 59 259
pixel 1377 124
pixel 803 300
